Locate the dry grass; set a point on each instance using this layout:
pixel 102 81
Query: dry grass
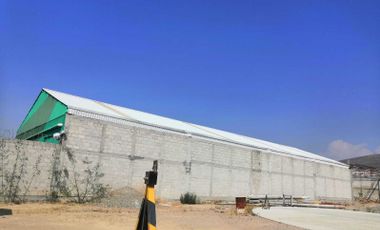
pixel 369 206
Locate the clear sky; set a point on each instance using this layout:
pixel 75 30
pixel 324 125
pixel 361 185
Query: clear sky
pixel 301 73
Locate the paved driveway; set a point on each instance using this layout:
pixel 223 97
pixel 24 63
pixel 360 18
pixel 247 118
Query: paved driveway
pixel 316 218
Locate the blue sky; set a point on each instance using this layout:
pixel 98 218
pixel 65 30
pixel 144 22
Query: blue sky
pixel 301 73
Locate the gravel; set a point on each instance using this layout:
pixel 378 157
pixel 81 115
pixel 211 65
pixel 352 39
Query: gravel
pixel 123 198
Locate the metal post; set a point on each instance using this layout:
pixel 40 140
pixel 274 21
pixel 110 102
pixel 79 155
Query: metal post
pixel 291 200
pixel 266 204
pixel 2 171
pixel 378 187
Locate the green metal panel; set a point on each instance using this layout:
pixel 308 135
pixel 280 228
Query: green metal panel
pixel 43 118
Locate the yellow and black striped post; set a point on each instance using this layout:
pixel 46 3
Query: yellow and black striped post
pixel 147 216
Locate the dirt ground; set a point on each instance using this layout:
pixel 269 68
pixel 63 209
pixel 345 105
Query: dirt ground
pixel 169 216
pixel 365 206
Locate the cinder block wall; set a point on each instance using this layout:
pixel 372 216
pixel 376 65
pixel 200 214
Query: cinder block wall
pixel 207 167
pixel 38 157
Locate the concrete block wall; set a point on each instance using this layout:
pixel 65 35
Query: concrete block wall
pixel 207 167
pixel 34 152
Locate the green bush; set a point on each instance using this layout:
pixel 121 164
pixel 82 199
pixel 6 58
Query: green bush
pixel 188 198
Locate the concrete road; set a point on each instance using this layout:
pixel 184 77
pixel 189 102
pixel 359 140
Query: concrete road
pixel 321 219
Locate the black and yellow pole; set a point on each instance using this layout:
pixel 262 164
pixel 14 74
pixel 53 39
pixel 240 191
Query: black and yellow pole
pixel 147 216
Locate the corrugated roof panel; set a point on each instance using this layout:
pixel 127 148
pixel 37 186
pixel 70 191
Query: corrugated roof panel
pixel 81 103
pixel 88 105
pixel 265 144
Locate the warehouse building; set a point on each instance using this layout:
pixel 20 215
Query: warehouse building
pixel 210 162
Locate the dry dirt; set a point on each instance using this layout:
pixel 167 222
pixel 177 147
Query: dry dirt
pixel 170 216
pixel 365 206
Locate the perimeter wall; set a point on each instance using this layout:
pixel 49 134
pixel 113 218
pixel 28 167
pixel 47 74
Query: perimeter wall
pixel 29 163
pixel 210 168
pixel 364 183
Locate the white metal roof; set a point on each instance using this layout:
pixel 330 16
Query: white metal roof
pixel 104 109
